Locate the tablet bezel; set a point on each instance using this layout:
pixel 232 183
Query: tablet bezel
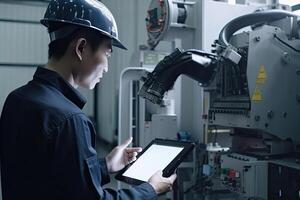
pixel 170 168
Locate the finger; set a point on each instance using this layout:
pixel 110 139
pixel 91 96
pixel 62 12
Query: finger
pixel 132 160
pixel 131 155
pixel 129 159
pixel 159 172
pixel 134 149
pixel 172 178
pixel 126 142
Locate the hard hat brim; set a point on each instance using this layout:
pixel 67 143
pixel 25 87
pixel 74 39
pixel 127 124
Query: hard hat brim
pixel 118 44
pixel 115 41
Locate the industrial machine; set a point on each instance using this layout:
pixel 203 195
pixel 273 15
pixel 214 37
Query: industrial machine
pixel 251 104
pixel 237 96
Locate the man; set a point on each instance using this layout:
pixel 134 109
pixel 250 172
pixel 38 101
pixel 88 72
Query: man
pixel 47 142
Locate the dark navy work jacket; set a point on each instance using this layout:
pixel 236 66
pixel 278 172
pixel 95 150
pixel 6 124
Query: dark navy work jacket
pixel 47 146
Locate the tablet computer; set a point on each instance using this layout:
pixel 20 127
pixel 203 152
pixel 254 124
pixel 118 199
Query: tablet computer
pixel 160 154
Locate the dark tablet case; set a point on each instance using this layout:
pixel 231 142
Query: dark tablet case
pixel 171 167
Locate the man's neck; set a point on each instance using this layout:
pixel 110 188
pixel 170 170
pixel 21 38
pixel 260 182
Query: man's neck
pixel 63 68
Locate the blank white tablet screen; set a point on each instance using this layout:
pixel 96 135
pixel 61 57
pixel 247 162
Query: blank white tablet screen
pixel 155 158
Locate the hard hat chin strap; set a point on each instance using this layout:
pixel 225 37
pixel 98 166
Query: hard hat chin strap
pixel 62 32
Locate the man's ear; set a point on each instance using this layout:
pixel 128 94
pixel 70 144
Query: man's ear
pixel 80 47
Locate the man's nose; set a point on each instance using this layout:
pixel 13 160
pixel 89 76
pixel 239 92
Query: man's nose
pixel 105 69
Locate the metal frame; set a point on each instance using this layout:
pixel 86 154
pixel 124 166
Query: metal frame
pixel 19 21
pixel 27 2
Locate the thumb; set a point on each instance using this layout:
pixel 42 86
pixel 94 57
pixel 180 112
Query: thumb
pixel 159 172
pixel 172 178
pixel 126 142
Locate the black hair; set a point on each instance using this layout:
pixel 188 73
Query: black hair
pixel 58 48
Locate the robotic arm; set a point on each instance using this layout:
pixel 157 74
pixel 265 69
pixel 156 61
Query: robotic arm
pixel 196 64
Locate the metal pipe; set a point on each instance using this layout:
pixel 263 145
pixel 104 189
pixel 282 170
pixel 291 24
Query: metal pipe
pixel 20 65
pixel 19 21
pixel 221 131
pixel 248 20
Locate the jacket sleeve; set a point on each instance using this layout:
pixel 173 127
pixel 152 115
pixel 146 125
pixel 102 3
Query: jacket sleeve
pixel 80 173
pixel 104 171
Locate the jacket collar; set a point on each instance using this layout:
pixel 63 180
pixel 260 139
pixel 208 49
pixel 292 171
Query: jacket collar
pixel 53 78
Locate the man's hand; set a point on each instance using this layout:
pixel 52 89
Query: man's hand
pixel 160 183
pixel 121 156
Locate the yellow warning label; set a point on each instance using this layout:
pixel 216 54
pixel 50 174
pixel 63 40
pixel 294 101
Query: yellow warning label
pixel 257 95
pixel 262 75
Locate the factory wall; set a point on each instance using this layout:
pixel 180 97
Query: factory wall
pixel 23 46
